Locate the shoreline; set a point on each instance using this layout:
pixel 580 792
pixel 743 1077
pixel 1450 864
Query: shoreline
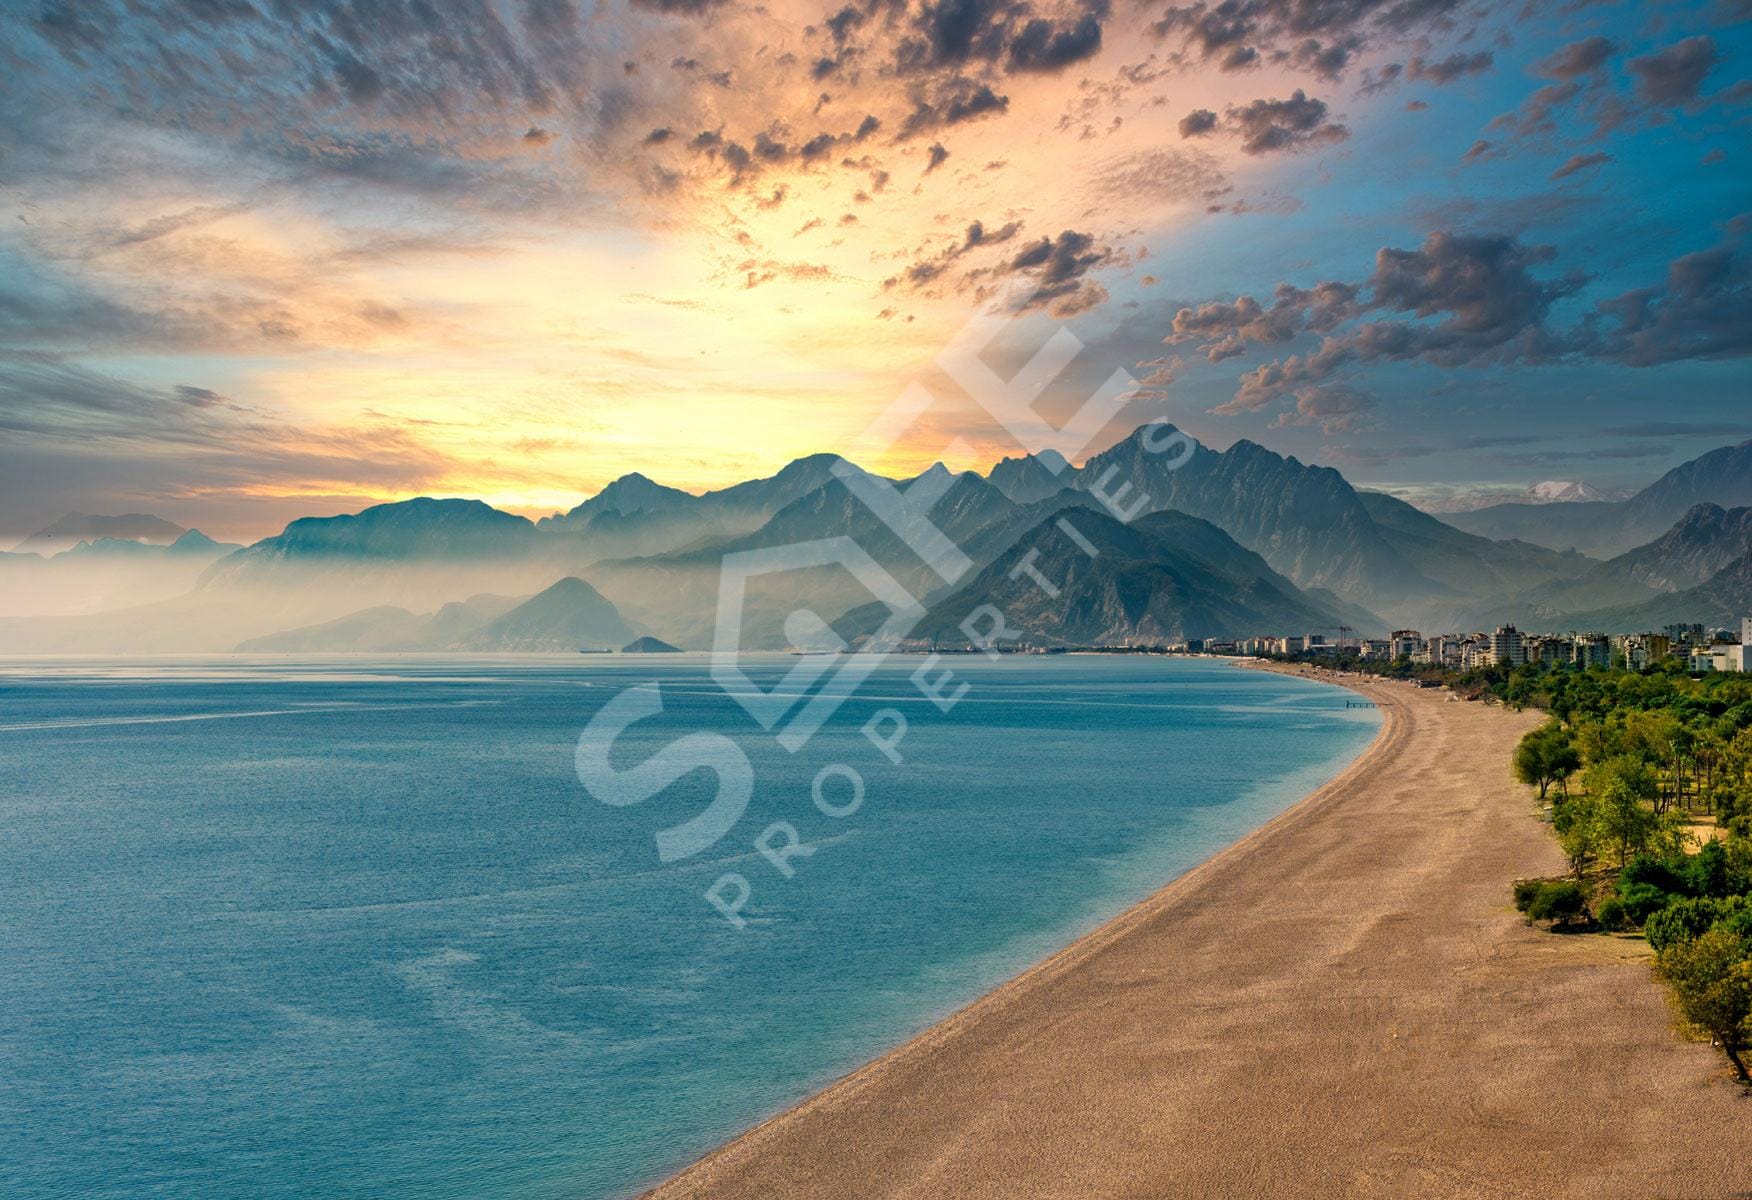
pixel 1059 961
pixel 1203 1041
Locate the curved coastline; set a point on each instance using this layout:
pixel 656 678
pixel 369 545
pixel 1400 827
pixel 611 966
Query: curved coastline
pixel 1340 1003
pixel 685 1182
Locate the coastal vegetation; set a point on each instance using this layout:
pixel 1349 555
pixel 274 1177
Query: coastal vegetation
pixel 1657 827
pixel 1646 777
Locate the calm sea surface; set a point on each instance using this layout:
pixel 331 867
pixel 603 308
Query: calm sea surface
pixel 352 928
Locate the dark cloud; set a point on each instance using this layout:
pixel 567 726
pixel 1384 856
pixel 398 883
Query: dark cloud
pixel 1580 162
pixel 1474 299
pixel 950 101
pixel 1534 116
pixel 1447 70
pixel 1577 58
pixel 1058 267
pixel 1325 60
pixel 1043 45
pixel 979 235
pixel 844 22
pixel 937 156
pixel 1702 310
pixel 1321 36
pixel 1673 76
pixel 1377 81
pixel 1226 329
pixel 1267 126
pixel 1467 300
pixel 958 34
pixel 684 8
pixel 1334 408
pixel 929 270
pixel 1198 121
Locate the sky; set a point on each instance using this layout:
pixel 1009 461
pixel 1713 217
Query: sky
pixel 265 259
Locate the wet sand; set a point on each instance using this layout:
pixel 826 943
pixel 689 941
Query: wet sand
pixel 1342 1004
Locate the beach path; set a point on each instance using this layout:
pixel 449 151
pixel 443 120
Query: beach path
pixel 1342 1004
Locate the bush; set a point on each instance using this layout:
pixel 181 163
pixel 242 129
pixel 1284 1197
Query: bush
pixel 1525 891
pixel 1707 872
pixel 1559 903
pixel 1711 976
pixel 1640 900
pixel 1612 914
pixel 1686 919
pixel 1647 869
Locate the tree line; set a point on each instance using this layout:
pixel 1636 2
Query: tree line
pixel 1647 776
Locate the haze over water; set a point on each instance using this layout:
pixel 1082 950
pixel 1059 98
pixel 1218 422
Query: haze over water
pixel 351 927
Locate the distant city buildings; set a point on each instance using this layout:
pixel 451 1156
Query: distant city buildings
pixel 1701 649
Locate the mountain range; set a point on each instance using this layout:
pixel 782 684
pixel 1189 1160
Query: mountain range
pixel 1237 541
pixel 1608 528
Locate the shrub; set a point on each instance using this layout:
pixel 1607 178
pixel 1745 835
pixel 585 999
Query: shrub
pixel 1559 903
pixel 1612 914
pixel 1525 891
pixel 1641 899
pixel 1685 919
pixel 1706 872
pixel 1647 869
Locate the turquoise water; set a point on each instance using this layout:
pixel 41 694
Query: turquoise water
pixel 352 927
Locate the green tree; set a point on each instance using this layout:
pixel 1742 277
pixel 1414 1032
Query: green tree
pixel 1546 756
pixel 1576 820
pixel 1622 788
pixel 1711 977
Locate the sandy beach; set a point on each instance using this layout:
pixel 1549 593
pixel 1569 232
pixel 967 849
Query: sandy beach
pixel 1344 1003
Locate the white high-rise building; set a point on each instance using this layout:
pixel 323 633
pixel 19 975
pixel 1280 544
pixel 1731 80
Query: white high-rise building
pixel 1506 646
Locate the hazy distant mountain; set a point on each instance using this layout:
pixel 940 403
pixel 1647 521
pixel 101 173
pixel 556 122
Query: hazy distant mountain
pixel 1163 576
pixel 677 594
pixel 629 495
pixel 570 615
pixel 193 544
pixel 104 573
pixel 74 528
pixel 409 555
pixel 385 628
pixel 634 517
pixel 1551 491
pixel 422 529
pixel 382 628
pixel 1719 602
pixel 1358 556
pixel 1311 525
pixel 649 645
pixel 1722 477
pixel 1704 541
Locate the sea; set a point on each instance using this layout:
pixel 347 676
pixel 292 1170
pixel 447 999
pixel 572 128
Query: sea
pixel 354 927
